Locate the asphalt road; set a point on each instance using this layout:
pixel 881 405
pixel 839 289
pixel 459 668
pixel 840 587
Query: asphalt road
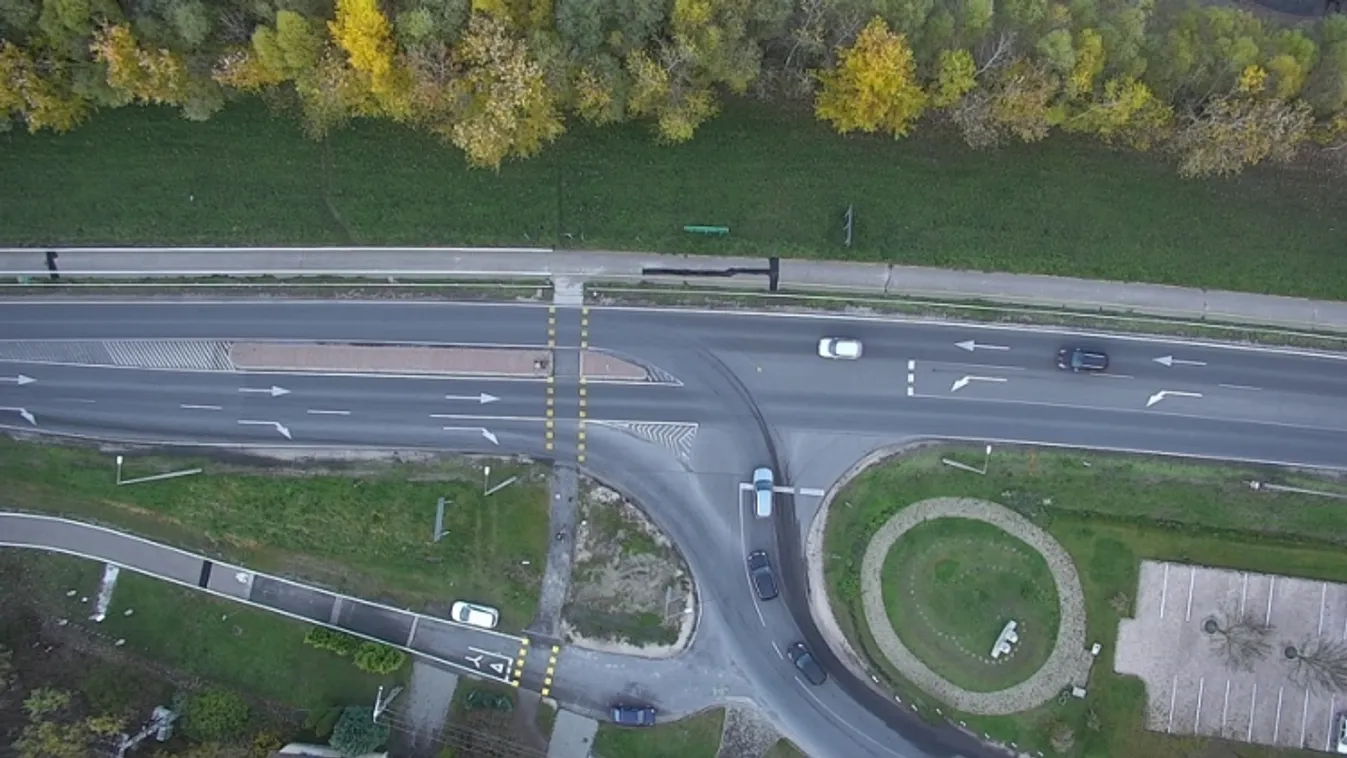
pixel 757 394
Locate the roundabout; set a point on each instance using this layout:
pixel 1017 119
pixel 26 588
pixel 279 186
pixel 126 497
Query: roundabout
pixel 941 578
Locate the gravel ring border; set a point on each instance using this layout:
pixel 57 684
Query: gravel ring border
pixel 1068 664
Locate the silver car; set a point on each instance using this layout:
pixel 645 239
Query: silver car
pixel 763 481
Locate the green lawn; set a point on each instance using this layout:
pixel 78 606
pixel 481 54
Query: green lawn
pixel 951 584
pixel 1108 515
pixel 694 737
pixel 226 643
pixel 365 529
pixel 780 180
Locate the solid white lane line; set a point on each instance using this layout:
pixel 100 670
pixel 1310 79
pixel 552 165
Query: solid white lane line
pixel 190 407
pixel 316 412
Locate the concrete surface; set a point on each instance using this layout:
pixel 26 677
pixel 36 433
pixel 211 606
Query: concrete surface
pixel 572 736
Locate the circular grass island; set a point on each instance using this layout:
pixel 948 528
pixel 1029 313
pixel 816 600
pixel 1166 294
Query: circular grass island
pixel 938 581
pixel 951 584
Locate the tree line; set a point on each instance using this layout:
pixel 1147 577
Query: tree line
pixel 1218 86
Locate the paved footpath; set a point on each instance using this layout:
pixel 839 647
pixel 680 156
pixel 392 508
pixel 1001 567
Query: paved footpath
pixel 702 271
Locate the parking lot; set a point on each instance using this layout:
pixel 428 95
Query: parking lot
pixel 1212 647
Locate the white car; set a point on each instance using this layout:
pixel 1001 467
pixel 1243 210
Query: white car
pixel 763 481
pixel 839 348
pixel 473 614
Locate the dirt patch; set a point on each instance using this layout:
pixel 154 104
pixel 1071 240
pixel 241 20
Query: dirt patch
pixel 630 590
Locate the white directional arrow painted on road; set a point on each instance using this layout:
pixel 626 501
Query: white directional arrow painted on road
pixel 273 391
pixel 479 429
pixel 1162 394
pixel 964 382
pixel 19 380
pixel 970 346
pixel 273 424
pixel 30 418
pixel 1169 360
pixel 483 398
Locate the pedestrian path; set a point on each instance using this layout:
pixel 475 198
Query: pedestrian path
pixel 568 269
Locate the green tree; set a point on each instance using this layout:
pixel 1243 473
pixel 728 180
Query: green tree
pixel 291 49
pixel 873 87
pixel 956 76
pixel 356 733
pixel 67 23
pixel 1326 88
pixel 1018 101
pixel 215 715
pixel 191 22
pixel 1125 113
pixel 18 17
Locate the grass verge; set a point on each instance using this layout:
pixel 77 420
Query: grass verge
pixel 780 180
pixel 950 585
pixel 1108 512
pixel 784 749
pixel 693 737
pixel 363 527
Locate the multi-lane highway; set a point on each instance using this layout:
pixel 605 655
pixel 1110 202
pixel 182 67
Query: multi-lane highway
pixel 736 390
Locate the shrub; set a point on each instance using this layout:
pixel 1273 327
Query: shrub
pixel 329 639
pixel 356 733
pixel 215 716
pixel 379 659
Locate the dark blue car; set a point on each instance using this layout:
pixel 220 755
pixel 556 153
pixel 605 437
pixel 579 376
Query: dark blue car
pixel 633 715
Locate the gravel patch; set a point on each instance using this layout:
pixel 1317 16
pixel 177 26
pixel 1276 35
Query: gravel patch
pixel 746 734
pixel 1069 662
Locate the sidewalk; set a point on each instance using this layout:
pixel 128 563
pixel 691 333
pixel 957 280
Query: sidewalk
pixel 746 273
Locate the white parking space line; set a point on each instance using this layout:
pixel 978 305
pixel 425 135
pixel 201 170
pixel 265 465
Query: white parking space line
pixel 811 492
pixel 1332 711
pixel 1197 717
pixel 1188 611
pixel 1253 707
pixel 1225 707
pixel 1323 601
pixel 1173 696
pixel 1304 716
pixel 1164 590
pixel 911 378
pixel 1277 724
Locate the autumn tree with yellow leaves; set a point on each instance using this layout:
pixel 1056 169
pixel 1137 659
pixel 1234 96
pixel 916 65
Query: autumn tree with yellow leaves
pixel 1241 128
pixel 873 87
pixel 504 107
pixel 38 92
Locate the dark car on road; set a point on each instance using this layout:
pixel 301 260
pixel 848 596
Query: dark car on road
pixel 806 663
pixel 1081 359
pixel 633 715
pixel 760 569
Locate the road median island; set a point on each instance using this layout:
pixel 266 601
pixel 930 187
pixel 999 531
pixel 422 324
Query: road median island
pixel 423 360
pixel 1105 512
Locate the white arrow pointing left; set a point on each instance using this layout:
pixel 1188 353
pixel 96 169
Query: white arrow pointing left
pixel 273 424
pixel 486 433
pixel 273 391
pixel 1169 360
pixel 970 346
pixel 30 418
pixel 19 380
